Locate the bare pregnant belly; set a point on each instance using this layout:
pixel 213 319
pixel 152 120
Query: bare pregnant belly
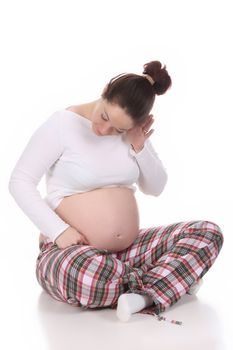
pixel 107 217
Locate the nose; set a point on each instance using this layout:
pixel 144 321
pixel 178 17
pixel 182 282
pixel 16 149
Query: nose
pixel 105 129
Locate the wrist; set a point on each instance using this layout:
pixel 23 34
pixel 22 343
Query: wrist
pixel 137 149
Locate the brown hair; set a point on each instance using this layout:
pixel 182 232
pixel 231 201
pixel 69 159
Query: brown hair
pixel 135 93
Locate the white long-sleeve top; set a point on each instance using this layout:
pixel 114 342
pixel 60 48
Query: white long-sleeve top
pixel 75 160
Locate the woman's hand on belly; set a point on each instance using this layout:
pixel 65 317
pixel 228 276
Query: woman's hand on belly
pixel 70 237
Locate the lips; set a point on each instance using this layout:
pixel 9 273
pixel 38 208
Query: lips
pixel 98 132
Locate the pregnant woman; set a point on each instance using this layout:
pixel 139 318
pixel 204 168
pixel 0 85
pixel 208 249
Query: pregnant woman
pixel 92 251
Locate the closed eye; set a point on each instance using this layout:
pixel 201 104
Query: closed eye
pixel 120 132
pixel 103 117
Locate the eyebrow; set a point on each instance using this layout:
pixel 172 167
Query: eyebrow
pixel 109 119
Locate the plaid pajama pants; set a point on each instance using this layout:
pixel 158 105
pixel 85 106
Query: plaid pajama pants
pixel 163 262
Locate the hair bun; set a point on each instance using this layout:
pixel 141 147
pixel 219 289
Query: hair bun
pixel 160 75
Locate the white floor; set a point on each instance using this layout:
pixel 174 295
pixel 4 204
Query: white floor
pixel 33 320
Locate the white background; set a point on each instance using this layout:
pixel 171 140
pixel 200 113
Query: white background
pixel 58 53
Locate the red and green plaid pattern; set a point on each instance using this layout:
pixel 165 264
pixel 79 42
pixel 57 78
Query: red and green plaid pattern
pixel 163 262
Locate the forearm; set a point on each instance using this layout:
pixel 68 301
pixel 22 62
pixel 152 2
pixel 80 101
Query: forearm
pixel 28 198
pixel 153 175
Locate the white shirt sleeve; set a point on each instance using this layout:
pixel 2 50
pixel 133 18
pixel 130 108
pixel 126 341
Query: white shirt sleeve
pixel 153 176
pixel 42 150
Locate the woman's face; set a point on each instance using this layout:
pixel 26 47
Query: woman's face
pixel 110 119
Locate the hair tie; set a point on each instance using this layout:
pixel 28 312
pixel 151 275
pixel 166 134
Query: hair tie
pixel 149 78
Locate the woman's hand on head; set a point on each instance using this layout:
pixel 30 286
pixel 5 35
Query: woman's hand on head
pixel 70 237
pixel 137 135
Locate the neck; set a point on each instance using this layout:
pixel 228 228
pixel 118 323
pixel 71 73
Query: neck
pixel 86 109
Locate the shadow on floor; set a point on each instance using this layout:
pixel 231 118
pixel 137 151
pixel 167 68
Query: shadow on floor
pixel 68 327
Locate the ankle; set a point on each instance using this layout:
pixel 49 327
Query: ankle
pixel 129 304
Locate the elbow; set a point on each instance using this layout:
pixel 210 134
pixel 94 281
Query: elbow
pixel 12 188
pixel 19 181
pixel 160 188
pixel 157 188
